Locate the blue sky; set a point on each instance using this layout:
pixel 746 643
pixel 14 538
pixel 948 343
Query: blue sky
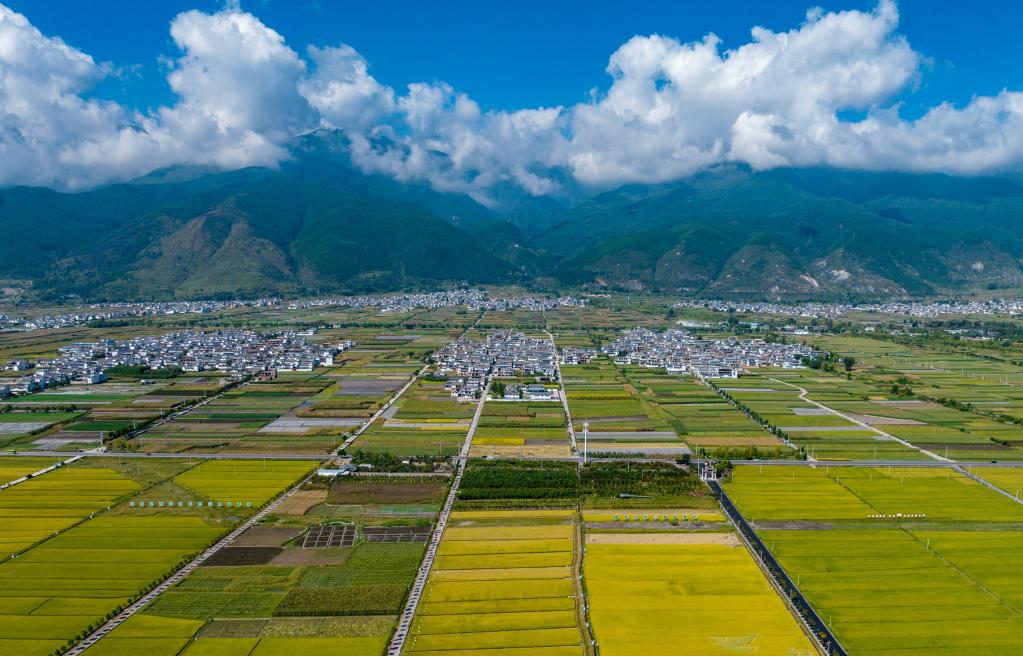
pixel 529 53
pixel 474 97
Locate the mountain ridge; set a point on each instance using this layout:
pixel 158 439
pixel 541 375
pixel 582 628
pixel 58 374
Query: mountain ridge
pixel 319 225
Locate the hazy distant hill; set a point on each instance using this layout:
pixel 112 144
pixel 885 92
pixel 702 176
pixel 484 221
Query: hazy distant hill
pixel 319 225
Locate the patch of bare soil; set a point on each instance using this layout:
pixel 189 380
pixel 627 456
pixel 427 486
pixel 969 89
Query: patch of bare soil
pixel 300 502
pixel 266 536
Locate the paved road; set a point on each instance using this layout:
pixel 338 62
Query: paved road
pixel 177 576
pixel 397 644
pixel 44 470
pixel 384 408
pixel 564 397
pixel 802 395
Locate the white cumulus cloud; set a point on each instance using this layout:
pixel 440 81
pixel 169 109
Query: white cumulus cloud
pixel 671 109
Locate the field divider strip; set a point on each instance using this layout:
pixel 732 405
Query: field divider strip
pixel 384 408
pixel 401 632
pixel 180 574
pixel 564 395
pixel 798 605
pixel 802 395
pixel 44 470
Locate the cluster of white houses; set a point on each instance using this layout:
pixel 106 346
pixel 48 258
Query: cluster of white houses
pixel 469 363
pixel 113 311
pixel 575 355
pixel 237 352
pixel 811 310
pixel 473 299
pixel 679 351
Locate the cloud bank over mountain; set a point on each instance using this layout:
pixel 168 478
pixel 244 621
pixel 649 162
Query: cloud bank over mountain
pixel 671 109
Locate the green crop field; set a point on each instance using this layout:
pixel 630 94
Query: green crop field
pixel 896 560
pixel 243 480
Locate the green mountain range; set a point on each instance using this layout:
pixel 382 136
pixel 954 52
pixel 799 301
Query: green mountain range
pixel 318 225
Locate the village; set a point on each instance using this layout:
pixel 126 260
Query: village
pixel 678 351
pixel 115 311
pixel 468 364
pixel 235 352
pixel 818 310
pixel 473 299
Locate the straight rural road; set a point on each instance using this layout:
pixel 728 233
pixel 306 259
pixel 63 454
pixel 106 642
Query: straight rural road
pixel 564 397
pixel 44 470
pixel 401 633
pixel 177 576
pixel 802 395
pixel 384 408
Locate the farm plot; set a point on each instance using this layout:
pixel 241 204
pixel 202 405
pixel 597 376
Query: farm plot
pixel 257 481
pixel 20 427
pixel 619 419
pixel 245 420
pixel 389 500
pixel 688 593
pixel 977 388
pixel 425 421
pixel 892 592
pixel 60 588
pixel 346 608
pixel 701 417
pixel 841 493
pixel 896 560
pixel 824 435
pixel 504 583
pixel 370 374
pixel 40 507
pixel 517 428
pixel 538 484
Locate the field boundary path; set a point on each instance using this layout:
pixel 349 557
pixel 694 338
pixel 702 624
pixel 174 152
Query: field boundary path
pixel 564 397
pixel 384 408
pixel 184 411
pixel 988 484
pixel 401 632
pixel 735 404
pixel 44 470
pixel 802 395
pixel 397 644
pixel 177 576
pixel 811 623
